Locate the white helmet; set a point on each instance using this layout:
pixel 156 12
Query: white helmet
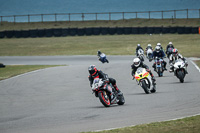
pixel 138 44
pixel 149 45
pixel 158 44
pixel 170 42
pixel 136 62
pixel 157 48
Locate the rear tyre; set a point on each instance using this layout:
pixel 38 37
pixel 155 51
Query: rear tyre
pixel 104 98
pixel 121 100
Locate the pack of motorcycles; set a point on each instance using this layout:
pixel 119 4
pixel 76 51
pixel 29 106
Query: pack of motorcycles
pixel 108 95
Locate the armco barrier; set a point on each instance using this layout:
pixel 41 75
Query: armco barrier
pixel 97 31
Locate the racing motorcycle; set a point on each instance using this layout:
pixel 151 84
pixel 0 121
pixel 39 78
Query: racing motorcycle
pixel 140 54
pixel 159 66
pixel 143 78
pixel 149 54
pixel 106 93
pixel 180 69
pixel 103 58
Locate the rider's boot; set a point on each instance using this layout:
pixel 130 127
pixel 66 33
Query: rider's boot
pixel 153 80
pixel 154 66
pixel 118 91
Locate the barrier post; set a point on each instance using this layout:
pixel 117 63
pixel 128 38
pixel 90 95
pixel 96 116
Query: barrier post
pixel 199 30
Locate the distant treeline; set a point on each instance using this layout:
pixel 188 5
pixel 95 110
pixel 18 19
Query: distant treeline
pixel 62 32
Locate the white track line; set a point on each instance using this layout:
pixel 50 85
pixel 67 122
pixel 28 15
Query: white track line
pixel 195 65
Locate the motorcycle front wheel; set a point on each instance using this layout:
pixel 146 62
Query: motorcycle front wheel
pixel 145 87
pixel 104 98
pixel 181 76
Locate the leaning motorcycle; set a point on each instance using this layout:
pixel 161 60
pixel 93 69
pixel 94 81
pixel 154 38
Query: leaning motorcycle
pixel 149 54
pixel 140 54
pixel 143 79
pixel 180 69
pixel 106 93
pixel 103 58
pixel 159 66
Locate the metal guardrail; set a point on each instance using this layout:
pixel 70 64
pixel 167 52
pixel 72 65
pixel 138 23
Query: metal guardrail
pixel 68 17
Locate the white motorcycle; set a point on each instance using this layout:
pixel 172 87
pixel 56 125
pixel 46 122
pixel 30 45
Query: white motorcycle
pixel 180 69
pixel 140 54
pixel 149 54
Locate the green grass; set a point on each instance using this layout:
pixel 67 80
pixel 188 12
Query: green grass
pixel 113 23
pixel 186 125
pixel 188 45
pixel 13 70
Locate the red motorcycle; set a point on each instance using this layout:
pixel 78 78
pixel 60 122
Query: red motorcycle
pixel 106 93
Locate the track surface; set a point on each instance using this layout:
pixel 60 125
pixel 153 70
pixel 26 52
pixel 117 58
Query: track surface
pixel 60 100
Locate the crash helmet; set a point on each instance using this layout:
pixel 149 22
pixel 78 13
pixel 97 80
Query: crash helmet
pixel 136 62
pixel 138 45
pixel 170 43
pixel 98 52
pixel 159 44
pixel 149 45
pixel 175 52
pixel 157 48
pixel 92 70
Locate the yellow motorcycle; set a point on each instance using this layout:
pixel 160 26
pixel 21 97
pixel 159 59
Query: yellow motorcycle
pixel 143 78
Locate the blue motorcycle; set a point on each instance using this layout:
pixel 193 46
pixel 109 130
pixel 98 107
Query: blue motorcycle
pixel 103 58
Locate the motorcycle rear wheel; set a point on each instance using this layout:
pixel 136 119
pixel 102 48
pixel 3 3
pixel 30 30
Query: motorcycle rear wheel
pixel 104 98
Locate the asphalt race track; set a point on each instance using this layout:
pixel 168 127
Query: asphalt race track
pixel 60 100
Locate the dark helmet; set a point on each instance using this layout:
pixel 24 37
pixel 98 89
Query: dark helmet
pixel 98 52
pixel 92 70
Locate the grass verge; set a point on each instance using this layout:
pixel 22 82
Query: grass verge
pixel 13 70
pixel 186 125
pixel 187 44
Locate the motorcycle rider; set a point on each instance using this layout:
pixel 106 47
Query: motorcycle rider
pixel 95 73
pixel 168 51
pixel 159 53
pixel 138 63
pixel 137 48
pixel 175 56
pixel 159 44
pixel 149 47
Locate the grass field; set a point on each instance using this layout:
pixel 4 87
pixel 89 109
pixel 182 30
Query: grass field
pixel 188 45
pixel 186 125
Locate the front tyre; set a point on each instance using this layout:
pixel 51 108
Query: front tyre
pixel 181 76
pixel 103 97
pixel 145 87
